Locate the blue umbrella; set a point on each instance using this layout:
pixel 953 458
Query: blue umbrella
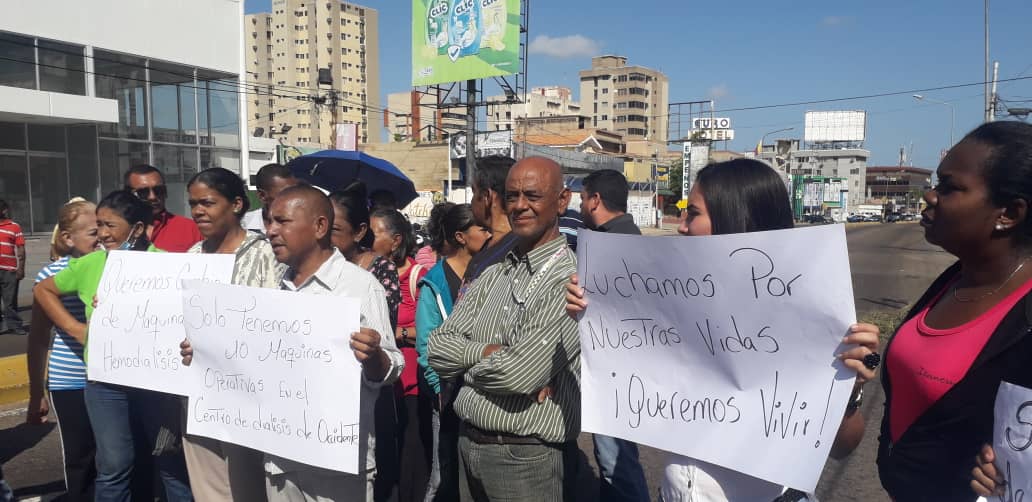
pixel 336 169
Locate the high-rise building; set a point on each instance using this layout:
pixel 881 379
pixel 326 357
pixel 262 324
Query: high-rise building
pixel 630 100
pixel 553 101
pixel 414 115
pixel 285 51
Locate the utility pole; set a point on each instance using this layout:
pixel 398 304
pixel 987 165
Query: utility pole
pixel 471 131
pixel 985 82
pixel 992 95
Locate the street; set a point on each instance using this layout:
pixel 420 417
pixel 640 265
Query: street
pixel 891 266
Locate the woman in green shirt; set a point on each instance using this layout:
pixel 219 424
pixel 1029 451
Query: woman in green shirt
pixel 126 422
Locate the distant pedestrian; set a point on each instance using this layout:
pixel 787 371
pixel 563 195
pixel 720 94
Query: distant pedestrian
pixel 518 354
pixel 222 471
pixel 741 196
pixel 270 181
pixel 394 239
pixel 604 209
pixel 301 222
pixel 63 373
pixel 169 232
pixel 456 237
pixel 12 270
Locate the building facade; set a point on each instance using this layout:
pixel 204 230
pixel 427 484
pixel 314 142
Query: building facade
pixel 630 100
pixel 550 101
pixel 898 188
pixel 285 51
pixel 414 115
pixel 848 163
pixel 87 90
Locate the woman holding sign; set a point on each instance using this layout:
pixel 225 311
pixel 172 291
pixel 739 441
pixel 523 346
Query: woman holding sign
pixel 218 200
pixel 732 197
pixel 970 331
pixel 128 424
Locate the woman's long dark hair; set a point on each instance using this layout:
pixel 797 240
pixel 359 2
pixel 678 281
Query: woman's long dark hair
pixel 744 195
pixel 131 209
pixel 356 209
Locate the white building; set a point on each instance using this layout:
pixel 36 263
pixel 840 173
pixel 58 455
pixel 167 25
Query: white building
pixel 88 89
pixel 553 101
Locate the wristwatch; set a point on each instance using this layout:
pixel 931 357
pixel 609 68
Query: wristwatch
pixel 404 335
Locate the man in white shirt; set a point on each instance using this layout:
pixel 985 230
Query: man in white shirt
pixel 300 220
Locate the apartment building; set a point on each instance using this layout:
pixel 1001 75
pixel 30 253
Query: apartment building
pixel 551 101
pixel 292 52
pixel 630 100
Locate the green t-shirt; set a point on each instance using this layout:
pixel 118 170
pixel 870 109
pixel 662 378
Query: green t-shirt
pixel 82 277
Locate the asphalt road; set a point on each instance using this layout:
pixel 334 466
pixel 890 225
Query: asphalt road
pixel 891 266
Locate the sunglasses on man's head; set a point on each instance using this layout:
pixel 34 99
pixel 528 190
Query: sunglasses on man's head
pixel 160 191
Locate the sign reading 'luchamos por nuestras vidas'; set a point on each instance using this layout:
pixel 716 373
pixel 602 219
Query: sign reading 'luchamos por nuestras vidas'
pixel 275 372
pixel 136 329
pixel 719 348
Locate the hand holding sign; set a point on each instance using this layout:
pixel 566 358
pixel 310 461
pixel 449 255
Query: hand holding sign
pixel 1005 469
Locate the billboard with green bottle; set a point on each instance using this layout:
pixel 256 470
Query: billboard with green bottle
pixel 456 40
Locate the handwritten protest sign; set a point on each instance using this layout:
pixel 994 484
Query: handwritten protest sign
pixel 719 348
pixel 136 329
pixel 1012 440
pixel 275 372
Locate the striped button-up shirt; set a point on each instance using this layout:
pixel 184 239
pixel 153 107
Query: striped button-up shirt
pixel 519 304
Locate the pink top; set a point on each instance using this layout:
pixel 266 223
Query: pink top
pixel 926 362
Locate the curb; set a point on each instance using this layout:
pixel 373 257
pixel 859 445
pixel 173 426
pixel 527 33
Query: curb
pixel 14 379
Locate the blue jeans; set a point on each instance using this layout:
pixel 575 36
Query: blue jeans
pixel 620 474
pixel 122 419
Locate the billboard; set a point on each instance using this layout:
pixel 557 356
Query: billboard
pixel 822 127
pixel 711 123
pixel 694 158
pixel 488 144
pixel 456 40
pixel 713 134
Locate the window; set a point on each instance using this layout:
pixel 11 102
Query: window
pixel 605 117
pixel 605 90
pixel 634 131
pixel 62 68
pixel 16 66
pixel 121 78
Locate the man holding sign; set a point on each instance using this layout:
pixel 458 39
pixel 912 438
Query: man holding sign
pixel 299 229
pixel 511 343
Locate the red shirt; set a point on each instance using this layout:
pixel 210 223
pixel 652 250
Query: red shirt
pixel 407 319
pixel 11 239
pixel 927 362
pixel 174 234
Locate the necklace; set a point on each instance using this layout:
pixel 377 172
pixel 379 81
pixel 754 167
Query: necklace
pixel 984 295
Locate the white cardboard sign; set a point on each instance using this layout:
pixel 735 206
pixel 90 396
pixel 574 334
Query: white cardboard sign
pixel 719 348
pixel 136 329
pixel 1012 440
pixel 275 372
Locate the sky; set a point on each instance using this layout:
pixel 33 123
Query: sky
pixel 753 53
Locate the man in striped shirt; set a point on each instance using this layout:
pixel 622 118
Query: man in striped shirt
pixel 518 353
pixel 12 269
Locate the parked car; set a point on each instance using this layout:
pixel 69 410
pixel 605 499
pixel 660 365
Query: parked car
pixel 855 218
pixel 911 217
pixel 872 218
pixel 893 218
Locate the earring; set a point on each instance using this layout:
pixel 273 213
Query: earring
pixel 999 226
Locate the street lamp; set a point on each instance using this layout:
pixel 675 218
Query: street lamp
pixel 764 138
pixel 953 112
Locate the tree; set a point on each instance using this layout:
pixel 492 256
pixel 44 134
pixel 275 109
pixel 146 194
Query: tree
pixel 676 173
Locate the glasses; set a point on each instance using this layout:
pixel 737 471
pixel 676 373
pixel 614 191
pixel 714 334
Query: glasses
pixel 159 191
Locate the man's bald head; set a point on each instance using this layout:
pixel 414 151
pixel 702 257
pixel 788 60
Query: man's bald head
pixel 535 198
pixel 300 221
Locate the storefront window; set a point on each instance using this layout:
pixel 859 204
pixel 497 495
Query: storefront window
pixel 223 113
pixel 179 164
pixel 14 184
pixel 172 103
pixel 116 157
pixel 49 180
pixel 82 162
